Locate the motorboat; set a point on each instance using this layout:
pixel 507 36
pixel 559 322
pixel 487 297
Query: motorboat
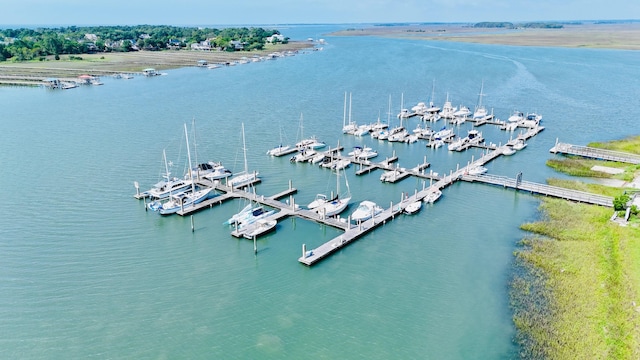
pixel 209 170
pixel 390 175
pixel 436 143
pixel 519 144
pixel 259 228
pixel 411 138
pixel 516 116
pixel 423 131
pixel 477 170
pixel 533 117
pixel 310 143
pixel 237 217
pixel 443 133
pixel 463 112
pixel 304 155
pixel 362 130
pixel 507 150
pixel 413 208
pixel 180 201
pixel 420 109
pixel 433 196
pixel 340 164
pixel 397 134
pixel 318 157
pixel 457 143
pixel 169 185
pixel 474 137
pixel 365 211
pixel 448 110
pixel 363 153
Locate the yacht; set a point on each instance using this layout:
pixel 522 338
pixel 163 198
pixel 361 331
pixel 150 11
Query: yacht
pixel 365 211
pixel 463 112
pixel 413 208
pixel 519 144
pixel 448 110
pixel 516 116
pixel 338 204
pixel 457 143
pixel 304 155
pixel 209 170
pixel 363 153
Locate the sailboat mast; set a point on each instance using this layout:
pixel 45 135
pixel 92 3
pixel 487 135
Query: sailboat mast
pixel 244 149
pixel 349 108
pixel 166 167
pixel 344 116
pixel 186 135
pixel 389 112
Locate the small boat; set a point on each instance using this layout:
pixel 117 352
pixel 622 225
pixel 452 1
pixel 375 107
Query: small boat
pixel 516 116
pixel 519 144
pixel 507 150
pixel 304 155
pixel 237 218
pixel 390 175
pixel 363 153
pixel 443 133
pixel 457 144
pixel 340 164
pixel 433 196
pixel 259 228
pixel 413 208
pixel 410 139
pixel 245 177
pixel 462 112
pixel 277 151
pixel 477 170
pixel 397 134
pixel 320 200
pixel 362 130
pixel 448 110
pixel 319 157
pixel 255 214
pixel 436 143
pixel 365 211
pixel 179 201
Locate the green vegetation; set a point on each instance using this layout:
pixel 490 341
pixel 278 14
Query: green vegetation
pixel 576 291
pixel 578 166
pixel 628 145
pixel 27 44
pixel 508 25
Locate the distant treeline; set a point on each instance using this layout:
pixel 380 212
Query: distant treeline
pixel 509 25
pixel 26 44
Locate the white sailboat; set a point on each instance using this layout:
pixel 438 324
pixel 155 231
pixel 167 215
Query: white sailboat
pixel 480 111
pixel 340 203
pixel 351 127
pixel 310 143
pixel 244 177
pixel 183 200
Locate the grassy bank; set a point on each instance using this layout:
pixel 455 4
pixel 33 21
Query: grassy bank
pixel 576 294
pixel 578 166
pixel 629 145
pixel 576 290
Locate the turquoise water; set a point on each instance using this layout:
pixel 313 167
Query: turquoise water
pixel 86 272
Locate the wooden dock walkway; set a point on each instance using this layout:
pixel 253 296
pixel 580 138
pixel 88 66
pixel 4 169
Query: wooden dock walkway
pixel 541 189
pixel 594 153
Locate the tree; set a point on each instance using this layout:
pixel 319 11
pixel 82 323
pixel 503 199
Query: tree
pixel 620 202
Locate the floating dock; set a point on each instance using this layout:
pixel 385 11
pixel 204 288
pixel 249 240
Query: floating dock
pixel 594 153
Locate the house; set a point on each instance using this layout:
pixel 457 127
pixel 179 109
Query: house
pixel 238 45
pixel 91 37
pixel 202 46
pixel 275 38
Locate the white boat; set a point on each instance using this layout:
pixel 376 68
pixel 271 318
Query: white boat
pixel 245 177
pixel 350 127
pixel 533 117
pixel 411 138
pixel 420 109
pixel 519 144
pixel 318 157
pixel 362 130
pixel 443 133
pixel 480 111
pixel 237 217
pixel 259 228
pixel 311 143
pixel 423 131
pixel 433 109
pixel 477 170
pixel 448 110
pixel 397 134
pixel 340 164
pixel 433 196
pixel 507 150
pixel 474 137
pixel 516 116
pixel 365 211
pixel 169 185
pixel 510 126
pixel 390 175
pixel 257 213
pixel 457 143
pixel 363 153
pixel 182 200
pixel 320 200
pixel 436 143
pixel 339 204
pixel 413 208
pixel 462 112
pixel 211 171
pixel 404 113
pixel 277 151
pixel 304 155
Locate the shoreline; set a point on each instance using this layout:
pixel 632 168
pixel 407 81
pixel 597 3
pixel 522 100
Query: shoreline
pixel 618 36
pixel 31 73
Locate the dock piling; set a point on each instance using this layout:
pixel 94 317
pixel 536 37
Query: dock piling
pixel 192 225
pixel 255 246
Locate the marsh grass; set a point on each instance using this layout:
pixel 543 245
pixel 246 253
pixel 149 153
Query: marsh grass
pixel 577 284
pixel 578 166
pixel 628 145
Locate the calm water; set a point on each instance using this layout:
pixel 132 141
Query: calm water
pixel 86 272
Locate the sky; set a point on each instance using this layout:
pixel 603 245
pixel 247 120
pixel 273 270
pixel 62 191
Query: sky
pixel 259 12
